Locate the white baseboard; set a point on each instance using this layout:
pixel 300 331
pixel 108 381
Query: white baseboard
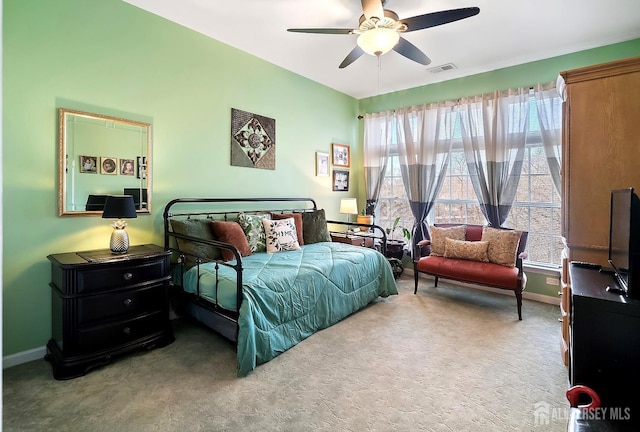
pixel 23 357
pixel 526 295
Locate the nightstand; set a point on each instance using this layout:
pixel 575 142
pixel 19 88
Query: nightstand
pixel 363 240
pixel 104 305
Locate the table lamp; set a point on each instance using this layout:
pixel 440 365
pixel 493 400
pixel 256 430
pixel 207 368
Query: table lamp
pixel 349 206
pixel 119 207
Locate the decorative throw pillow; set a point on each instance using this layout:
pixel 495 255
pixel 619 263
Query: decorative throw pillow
pixel 297 220
pixel 281 235
pixel 231 232
pixel 199 228
pixel 254 230
pixel 439 234
pixel 314 227
pixel 503 245
pixel 468 250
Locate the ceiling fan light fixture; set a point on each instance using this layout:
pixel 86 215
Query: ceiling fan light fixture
pixel 378 41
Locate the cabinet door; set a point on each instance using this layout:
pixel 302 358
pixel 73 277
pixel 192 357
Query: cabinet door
pixel 602 149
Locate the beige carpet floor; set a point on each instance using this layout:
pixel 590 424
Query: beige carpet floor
pixel 447 359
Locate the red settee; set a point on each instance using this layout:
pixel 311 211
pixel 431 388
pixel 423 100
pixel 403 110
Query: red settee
pixel 482 273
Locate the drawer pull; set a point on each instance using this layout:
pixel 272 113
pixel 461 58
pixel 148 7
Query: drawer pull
pixel 127 302
pixel 128 276
pixel 127 330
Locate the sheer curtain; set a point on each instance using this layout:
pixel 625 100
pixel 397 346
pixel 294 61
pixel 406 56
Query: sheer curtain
pixel 424 143
pixel 494 128
pixel 377 129
pixel 549 107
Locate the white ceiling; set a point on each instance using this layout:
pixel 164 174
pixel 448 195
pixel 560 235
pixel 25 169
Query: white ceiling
pixel 505 33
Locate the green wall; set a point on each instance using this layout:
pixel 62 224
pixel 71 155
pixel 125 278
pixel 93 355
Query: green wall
pixel 112 58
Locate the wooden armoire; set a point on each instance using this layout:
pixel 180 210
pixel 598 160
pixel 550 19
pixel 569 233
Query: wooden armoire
pixel 600 152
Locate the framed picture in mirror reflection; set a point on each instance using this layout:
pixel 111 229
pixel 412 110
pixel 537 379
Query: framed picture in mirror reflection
pixel 108 165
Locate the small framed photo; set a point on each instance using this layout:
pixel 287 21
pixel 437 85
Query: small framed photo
pixel 322 164
pixel 108 165
pixel 341 155
pixel 340 180
pixel 142 167
pixel 89 164
pixel 127 167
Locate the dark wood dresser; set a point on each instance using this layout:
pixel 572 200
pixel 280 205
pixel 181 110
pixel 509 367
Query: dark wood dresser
pixel 104 305
pixel 604 348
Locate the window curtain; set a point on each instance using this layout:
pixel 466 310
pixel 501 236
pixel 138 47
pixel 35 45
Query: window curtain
pixel 549 107
pixel 377 129
pixel 494 128
pixel 424 136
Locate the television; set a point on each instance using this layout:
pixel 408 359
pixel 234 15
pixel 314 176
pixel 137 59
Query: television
pixel 624 240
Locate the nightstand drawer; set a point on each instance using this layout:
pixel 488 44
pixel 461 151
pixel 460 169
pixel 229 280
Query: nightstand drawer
pixel 118 276
pixel 119 333
pixel 121 303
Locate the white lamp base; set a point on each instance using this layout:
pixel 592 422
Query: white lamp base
pixel 119 243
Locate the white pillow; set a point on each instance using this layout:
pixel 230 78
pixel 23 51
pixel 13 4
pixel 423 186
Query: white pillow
pixel 281 235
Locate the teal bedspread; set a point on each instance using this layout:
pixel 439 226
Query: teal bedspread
pixel 288 296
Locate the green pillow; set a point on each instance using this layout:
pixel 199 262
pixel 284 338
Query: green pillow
pixel 199 228
pixel 314 227
pixel 254 230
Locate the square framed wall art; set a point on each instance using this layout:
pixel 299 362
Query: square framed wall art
pixel 127 167
pixel 89 164
pixel 253 140
pixel 341 155
pixel 340 180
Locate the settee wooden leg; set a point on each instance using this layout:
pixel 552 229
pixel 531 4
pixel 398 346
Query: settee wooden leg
pixel 415 278
pixel 519 299
pixel 436 283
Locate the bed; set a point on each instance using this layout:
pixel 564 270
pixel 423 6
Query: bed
pixel 268 302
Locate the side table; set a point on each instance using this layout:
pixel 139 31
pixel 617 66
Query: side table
pixel 104 305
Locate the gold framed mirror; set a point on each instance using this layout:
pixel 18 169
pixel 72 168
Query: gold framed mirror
pixel 100 155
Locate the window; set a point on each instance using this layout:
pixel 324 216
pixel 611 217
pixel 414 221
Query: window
pixel 393 200
pixel 536 208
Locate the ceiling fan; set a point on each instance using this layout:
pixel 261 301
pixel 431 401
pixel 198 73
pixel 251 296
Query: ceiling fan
pixel 379 30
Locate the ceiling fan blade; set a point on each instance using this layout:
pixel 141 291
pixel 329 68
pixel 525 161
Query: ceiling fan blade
pixel 321 30
pixel 438 18
pixel 372 8
pixel 354 55
pixel 410 51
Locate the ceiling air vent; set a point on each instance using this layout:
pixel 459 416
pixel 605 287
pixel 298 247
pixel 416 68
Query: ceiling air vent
pixel 442 68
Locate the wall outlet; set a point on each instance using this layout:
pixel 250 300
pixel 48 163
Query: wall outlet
pixel 553 281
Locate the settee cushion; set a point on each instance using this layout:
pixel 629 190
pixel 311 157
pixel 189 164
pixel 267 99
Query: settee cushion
pixel 468 250
pixel 483 273
pixel 503 245
pixel 439 234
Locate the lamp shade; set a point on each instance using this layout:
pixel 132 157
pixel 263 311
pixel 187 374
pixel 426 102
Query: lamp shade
pixel 119 207
pixel 378 40
pixel 349 206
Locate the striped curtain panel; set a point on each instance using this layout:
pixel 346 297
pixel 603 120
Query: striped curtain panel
pixel 424 143
pixel 549 106
pixel 494 128
pixel 377 128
